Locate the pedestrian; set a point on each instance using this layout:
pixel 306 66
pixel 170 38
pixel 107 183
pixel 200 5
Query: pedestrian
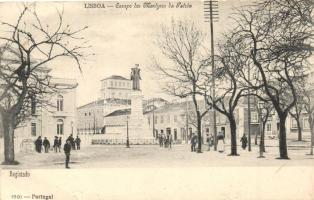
pixel 169 138
pixel 67 151
pixel 244 141
pixel 220 142
pixel 162 140
pixel 166 140
pixel 212 143
pixel 78 143
pixel 72 141
pixel 193 142
pixel 55 144
pixel 46 144
pixel 59 143
pixel 38 144
pixel 208 141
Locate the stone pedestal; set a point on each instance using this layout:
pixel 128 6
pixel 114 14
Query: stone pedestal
pixel 138 124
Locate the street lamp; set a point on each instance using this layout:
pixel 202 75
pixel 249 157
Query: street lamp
pixel 127 132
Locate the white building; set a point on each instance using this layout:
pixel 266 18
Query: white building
pixel 116 87
pixel 56 120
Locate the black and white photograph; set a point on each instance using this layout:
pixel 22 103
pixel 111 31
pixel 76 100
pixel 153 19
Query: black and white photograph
pixel 157 99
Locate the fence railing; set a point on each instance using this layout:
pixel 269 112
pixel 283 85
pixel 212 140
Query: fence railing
pixel 123 141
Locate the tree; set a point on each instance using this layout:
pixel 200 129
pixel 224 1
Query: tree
pixel 230 66
pixel 181 44
pixel 264 110
pixel 297 110
pixel 27 46
pixel 277 44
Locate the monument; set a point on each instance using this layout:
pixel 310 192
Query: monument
pixel 133 125
pixel 138 124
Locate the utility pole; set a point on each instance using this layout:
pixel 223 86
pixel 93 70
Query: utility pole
pixel 154 119
pixel 127 132
pixel 187 121
pixel 249 112
pixel 211 14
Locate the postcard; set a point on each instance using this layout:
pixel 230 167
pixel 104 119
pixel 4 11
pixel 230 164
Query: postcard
pixel 157 100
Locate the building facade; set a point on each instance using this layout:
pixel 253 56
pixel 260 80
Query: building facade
pixel 59 119
pixel 116 87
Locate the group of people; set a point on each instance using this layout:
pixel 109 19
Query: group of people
pixel 75 143
pixel 165 140
pixel 40 143
pixel 70 144
pixel 209 141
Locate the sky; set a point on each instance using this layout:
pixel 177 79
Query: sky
pixel 120 38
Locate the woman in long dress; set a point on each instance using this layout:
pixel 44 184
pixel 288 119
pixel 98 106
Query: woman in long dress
pixel 220 142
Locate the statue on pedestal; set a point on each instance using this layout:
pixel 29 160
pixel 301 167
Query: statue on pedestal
pixel 136 77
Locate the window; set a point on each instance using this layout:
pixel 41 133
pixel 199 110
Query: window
pixel 168 119
pixel 175 118
pixel 254 117
pixel 156 119
pixel 33 129
pixel 60 103
pixel 161 119
pixel 60 127
pixel 306 124
pixel 182 117
pixel 149 121
pixel 294 123
pixel 111 83
pixel 268 127
pixel 33 105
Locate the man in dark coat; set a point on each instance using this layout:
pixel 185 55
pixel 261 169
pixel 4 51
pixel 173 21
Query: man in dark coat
pixel 55 144
pixel 193 142
pixel 72 141
pixel 46 144
pixel 244 141
pixel 38 144
pixel 78 143
pixel 67 151
pixel 59 143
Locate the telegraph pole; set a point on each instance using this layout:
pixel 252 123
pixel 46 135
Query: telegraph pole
pixel 187 121
pixel 249 113
pixel 211 14
pixel 155 136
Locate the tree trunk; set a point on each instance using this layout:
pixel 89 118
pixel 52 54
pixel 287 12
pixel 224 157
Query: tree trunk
pixel 263 137
pixel 262 141
pixel 233 128
pixel 8 135
pixel 282 137
pixel 199 132
pixel 299 130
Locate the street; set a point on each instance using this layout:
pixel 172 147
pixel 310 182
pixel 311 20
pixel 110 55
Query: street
pixel 117 156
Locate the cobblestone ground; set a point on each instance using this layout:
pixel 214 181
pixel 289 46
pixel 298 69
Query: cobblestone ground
pixel 117 156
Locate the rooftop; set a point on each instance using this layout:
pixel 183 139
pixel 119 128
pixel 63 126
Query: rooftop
pixel 119 112
pixel 116 77
pixel 98 102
